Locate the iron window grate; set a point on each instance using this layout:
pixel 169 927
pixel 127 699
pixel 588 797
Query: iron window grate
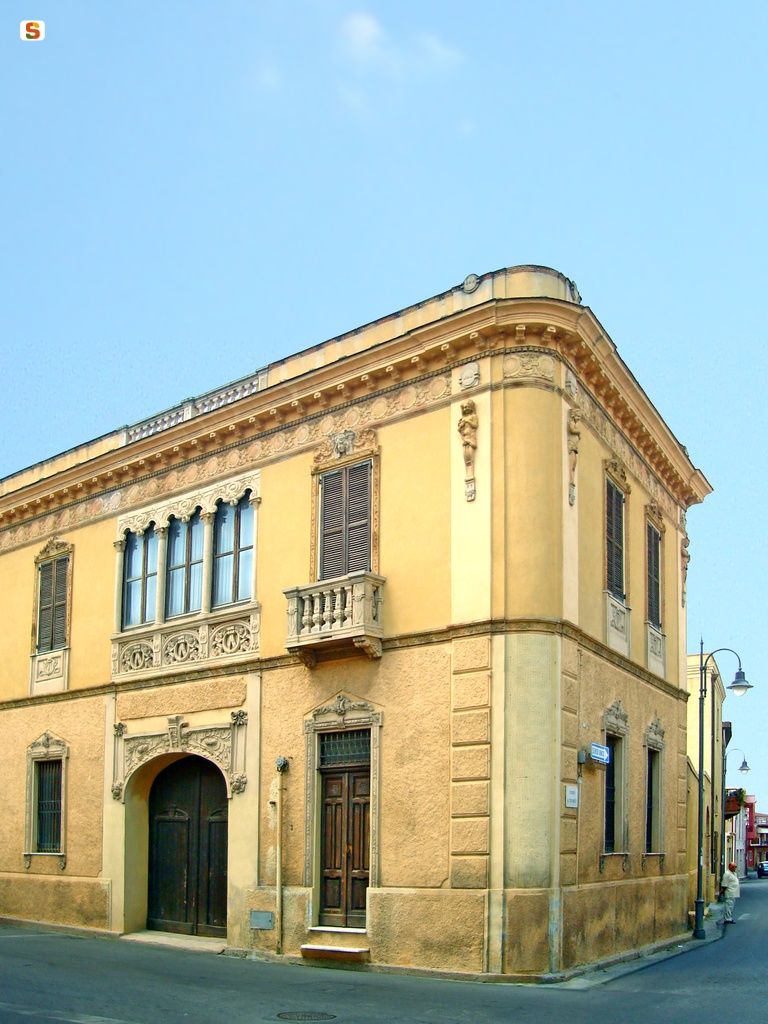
pixel 350 747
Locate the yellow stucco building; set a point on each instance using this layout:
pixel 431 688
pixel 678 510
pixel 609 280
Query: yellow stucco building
pixel 327 662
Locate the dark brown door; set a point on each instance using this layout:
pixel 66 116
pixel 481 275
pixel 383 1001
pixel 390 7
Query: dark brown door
pixel 345 846
pixel 188 849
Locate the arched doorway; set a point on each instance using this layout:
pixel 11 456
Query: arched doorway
pixel 188 849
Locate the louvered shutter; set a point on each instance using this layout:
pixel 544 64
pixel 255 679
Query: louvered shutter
pixel 60 603
pixel 614 536
pixel 359 518
pixel 45 607
pixel 332 529
pixel 654 576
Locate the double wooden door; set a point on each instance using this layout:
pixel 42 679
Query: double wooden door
pixel 346 817
pixel 188 849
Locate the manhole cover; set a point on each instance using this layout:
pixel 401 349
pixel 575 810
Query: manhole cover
pixel 305 1015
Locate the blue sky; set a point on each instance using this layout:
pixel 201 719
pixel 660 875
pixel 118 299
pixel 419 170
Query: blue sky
pixel 191 190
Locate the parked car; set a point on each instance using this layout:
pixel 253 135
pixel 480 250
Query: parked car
pixel 762 868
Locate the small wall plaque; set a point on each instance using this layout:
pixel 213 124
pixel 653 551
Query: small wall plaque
pixel 571 796
pixel 262 920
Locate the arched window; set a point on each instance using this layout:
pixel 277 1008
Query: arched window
pixel 140 577
pixel 233 552
pixel 184 566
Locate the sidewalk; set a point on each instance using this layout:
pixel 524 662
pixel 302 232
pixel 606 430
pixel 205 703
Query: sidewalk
pixel 638 961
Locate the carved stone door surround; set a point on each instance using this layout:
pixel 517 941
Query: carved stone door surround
pixel 224 745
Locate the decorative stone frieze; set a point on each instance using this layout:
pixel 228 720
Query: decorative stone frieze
pixel 223 744
pixel 531 365
pixel 184 505
pixel 161 650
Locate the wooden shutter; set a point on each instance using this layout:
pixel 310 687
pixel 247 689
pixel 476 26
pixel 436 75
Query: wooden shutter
pixel 45 607
pixel 654 575
pixel 60 603
pixel 332 539
pixel 52 605
pixel 359 518
pixel 345 532
pixel 614 540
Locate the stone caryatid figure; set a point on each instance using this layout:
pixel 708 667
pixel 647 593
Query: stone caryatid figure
pixel 468 433
pixel 574 437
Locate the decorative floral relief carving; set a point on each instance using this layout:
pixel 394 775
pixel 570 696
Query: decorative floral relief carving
pixel 654 735
pixel 136 656
pixel 341 707
pixel 232 638
pixel 181 648
pixel 615 719
pixel 529 365
pixel 469 376
pixel 222 744
pixel 50 667
pixel 343 443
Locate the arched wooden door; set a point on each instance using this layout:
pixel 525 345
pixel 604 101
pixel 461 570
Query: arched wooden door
pixel 188 849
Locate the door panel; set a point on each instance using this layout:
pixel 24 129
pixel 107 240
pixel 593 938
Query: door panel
pixel 345 847
pixel 188 849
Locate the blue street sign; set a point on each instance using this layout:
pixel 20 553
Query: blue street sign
pixel 600 753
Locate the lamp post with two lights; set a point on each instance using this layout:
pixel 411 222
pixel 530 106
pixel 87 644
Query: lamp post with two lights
pixel 738 687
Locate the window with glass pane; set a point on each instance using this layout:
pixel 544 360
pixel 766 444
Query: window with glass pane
pixel 613 795
pixel 652 802
pixel 52 605
pixel 48 806
pixel 184 561
pixel 233 552
pixel 140 577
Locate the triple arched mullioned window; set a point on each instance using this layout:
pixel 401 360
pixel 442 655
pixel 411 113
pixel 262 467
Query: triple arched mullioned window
pixel 188 565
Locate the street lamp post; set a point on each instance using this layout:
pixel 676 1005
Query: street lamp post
pixel 738 687
pixel 743 768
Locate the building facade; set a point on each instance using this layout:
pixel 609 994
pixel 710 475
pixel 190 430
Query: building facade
pixel 377 655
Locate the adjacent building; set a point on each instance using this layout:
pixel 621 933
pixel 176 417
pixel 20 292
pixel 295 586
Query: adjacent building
pixel 378 654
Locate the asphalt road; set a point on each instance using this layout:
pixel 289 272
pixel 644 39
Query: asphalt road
pixel 47 976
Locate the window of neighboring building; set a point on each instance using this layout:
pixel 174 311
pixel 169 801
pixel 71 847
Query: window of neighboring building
pixel 48 790
pixel 614 540
pixel 652 801
pixel 614 811
pixel 653 565
pixel 345 521
pixel 233 552
pixel 140 577
pixel 53 586
pixel 184 566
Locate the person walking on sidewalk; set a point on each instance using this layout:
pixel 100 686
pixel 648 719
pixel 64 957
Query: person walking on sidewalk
pixel 731 890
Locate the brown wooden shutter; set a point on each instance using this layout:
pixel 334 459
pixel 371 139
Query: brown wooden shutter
pixel 654 576
pixel 359 518
pixel 60 603
pixel 614 538
pixel 345 531
pixel 45 607
pixel 332 531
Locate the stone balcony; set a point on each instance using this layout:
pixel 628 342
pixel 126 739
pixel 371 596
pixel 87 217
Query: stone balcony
pixel 335 616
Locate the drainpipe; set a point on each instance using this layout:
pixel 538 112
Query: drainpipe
pixel 281 765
